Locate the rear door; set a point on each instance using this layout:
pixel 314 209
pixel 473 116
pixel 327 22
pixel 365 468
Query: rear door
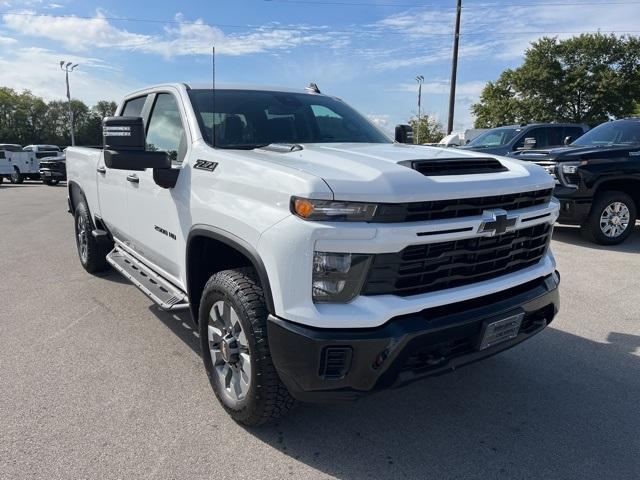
pixel 155 211
pixel 112 185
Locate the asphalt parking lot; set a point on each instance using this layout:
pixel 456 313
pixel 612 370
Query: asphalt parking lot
pixel 96 382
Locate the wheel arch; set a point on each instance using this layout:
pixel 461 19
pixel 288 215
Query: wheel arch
pixel 210 250
pixel 75 196
pixel 630 186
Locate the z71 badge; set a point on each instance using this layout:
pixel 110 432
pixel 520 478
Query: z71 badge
pixel 205 165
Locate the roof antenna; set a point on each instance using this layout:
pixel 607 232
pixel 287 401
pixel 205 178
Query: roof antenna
pixel 213 96
pixel 312 88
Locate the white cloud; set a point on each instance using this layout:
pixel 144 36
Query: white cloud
pixel 37 70
pixel 441 87
pixel 188 38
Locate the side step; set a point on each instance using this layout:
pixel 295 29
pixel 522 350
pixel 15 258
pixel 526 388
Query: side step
pixel 163 293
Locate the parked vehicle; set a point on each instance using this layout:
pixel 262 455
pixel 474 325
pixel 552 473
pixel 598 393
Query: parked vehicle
pixel 19 165
pixel 515 138
pixel 598 180
pixel 458 139
pixel 319 260
pixel 5 171
pixel 53 170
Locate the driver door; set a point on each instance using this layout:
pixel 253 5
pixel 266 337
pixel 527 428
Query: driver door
pixel 155 211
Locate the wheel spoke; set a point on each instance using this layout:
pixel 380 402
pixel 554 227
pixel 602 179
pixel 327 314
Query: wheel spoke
pixel 245 366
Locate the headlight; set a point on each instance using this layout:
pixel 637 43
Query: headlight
pixel 332 211
pixel 338 277
pixel 569 173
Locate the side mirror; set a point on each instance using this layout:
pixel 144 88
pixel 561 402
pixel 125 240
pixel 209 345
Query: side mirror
pixel 529 143
pixel 568 140
pixel 125 145
pixel 404 134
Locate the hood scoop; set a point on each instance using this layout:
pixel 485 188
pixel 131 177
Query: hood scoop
pixel 455 166
pixel 282 147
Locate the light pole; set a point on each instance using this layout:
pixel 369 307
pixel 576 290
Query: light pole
pixel 66 68
pixel 420 80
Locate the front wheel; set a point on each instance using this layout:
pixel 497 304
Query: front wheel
pixel 612 218
pixel 235 348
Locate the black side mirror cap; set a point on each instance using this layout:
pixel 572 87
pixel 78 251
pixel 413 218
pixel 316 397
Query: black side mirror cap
pixel 404 134
pixel 123 134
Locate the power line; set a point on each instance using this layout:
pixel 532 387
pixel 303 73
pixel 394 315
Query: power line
pixel 449 7
pixel 372 30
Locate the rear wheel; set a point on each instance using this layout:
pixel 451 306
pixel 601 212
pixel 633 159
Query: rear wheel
pixel 235 348
pixel 52 182
pixel 91 252
pixel 612 218
pixel 16 176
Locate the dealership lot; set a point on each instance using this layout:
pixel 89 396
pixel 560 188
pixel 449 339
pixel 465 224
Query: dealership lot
pixel 96 382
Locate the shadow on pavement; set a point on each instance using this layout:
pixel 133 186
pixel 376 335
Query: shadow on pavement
pixel 571 235
pixel 558 406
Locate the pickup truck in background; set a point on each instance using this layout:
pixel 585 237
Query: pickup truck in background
pixel 512 139
pixel 320 261
pixel 53 170
pixel 18 165
pixel 597 180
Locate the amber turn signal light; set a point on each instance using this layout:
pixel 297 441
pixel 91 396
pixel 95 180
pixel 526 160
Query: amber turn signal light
pixel 303 207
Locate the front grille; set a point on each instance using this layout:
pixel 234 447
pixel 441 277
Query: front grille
pixel 438 266
pixel 457 208
pixel 456 166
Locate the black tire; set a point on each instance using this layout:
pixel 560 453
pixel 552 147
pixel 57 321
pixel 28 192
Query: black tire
pixel 52 182
pixel 16 177
pixel 592 230
pixel 92 253
pixel 267 398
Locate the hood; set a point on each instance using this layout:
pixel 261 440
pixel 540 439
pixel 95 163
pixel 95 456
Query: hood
pixel 60 158
pixel 372 172
pixel 565 154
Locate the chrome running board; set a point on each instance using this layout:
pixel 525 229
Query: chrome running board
pixel 163 293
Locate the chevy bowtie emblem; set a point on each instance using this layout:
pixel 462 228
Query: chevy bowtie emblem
pixel 497 222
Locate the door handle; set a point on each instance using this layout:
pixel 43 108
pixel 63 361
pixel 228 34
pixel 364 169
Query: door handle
pixel 133 178
pixel 101 170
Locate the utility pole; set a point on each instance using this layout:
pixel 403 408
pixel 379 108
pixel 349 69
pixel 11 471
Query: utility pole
pixel 66 69
pixel 420 80
pixel 454 69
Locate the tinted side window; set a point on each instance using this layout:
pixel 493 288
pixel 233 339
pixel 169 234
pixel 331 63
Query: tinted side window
pixel 165 132
pixel 555 136
pixel 133 108
pixel 573 132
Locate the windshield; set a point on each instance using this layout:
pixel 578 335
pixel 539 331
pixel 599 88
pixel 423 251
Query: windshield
pixel 613 133
pixel 249 119
pixel 494 138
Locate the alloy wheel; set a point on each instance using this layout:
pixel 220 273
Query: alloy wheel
pixel 229 351
pixel 615 219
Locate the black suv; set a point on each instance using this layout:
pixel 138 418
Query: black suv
pixel 517 138
pixel 598 180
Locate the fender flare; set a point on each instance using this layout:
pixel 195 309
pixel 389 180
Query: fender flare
pixel 240 245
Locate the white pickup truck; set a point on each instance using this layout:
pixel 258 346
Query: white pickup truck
pixel 320 260
pixel 19 163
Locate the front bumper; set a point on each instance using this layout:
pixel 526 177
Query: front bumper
pixel 52 174
pixel 337 365
pixel 574 209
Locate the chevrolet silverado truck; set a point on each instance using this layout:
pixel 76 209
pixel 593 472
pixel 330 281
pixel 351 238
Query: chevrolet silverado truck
pixel 597 180
pixel 319 260
pixel 53 169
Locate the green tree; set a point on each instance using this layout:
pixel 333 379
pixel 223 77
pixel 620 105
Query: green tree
pixel 589 79
pixel 427 130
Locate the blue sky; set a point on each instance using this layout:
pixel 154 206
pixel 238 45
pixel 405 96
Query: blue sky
pixel 364 51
